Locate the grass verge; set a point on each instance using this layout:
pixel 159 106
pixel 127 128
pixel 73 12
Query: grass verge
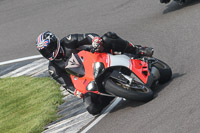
pixel 27 104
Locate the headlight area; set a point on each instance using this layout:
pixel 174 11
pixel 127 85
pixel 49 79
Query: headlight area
pixel 98 68
pixel 92 86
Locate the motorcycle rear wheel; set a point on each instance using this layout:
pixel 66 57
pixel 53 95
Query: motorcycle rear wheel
pixel 120 90
pixel 165 71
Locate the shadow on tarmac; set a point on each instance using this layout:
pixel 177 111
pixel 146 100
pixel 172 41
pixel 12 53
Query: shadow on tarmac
pixel 160 87
pixel 173 6
pixel 127 103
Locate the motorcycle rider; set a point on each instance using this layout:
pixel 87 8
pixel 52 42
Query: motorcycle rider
pixel 58 52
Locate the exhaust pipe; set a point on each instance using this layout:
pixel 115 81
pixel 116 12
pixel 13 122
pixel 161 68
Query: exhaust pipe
pixel 155 72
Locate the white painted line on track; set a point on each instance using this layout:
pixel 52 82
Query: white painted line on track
pixel 20 59
pixel 42 63
pixel 103 115
pixel 29 70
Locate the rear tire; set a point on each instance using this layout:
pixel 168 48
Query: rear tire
pixel 165 71
pixel 164 1
pixel 130 94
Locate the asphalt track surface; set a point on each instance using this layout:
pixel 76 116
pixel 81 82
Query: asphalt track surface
pixel 172 30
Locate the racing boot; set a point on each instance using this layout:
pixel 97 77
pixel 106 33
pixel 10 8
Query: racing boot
pixel 180 2
pixel 96 103
pixel 145 51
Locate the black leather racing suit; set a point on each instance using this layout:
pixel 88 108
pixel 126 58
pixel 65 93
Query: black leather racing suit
pixel 73 43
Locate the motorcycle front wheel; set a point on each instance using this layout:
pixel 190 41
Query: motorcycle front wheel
pixel 141 93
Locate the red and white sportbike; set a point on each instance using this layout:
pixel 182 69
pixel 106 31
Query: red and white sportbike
pixel 116 75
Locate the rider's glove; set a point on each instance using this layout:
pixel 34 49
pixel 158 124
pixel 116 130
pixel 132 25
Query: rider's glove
pixel 146 51
pixel 96 43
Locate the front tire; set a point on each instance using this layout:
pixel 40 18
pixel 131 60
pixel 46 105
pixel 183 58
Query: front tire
pixel 112 87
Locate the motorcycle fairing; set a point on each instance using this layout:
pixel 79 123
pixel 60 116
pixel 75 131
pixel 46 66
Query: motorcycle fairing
pixel 118 60
pixel 88 59
pixel 140 68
